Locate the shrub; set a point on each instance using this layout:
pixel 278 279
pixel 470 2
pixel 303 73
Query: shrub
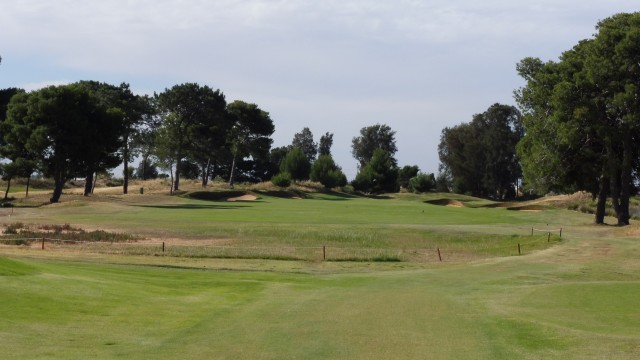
pixel 422 183
pixel 282 180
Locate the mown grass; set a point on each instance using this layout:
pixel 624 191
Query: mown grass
pixel 572 300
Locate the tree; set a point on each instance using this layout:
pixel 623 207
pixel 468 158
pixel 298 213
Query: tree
pixel 188 112
pixel 325 171
pixel 379 175
pixel 62 127
pixel 582 116
pixel 372 138
pixel 406 173
pixel 296 163
pixel 249 134
pixel 325 144
pixel 107 134
pixel 480 156
pixel 146 169
pixel 304 141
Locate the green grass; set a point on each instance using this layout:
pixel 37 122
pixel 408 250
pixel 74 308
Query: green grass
pixel 574 300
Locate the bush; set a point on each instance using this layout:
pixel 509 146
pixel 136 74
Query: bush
pixel 422 183
pixel 282 180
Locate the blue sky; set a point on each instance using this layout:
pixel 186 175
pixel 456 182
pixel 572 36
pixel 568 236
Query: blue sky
pixel 332 65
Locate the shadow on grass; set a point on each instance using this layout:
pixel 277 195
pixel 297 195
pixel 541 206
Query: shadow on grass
pixel 195 207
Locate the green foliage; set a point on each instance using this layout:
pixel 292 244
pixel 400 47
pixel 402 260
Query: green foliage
pixel 371 138
pixel 297 164
pixel 282 180
pixel 325 143
pixel 325 171
pixel 480 156
pixel 304 141
pixel 406 173
pixel 193 120
pixel 380 175
pixel 422 183
pixel 250 135
pixel 581 117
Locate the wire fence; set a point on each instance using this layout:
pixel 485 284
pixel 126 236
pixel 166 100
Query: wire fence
pixel 464 252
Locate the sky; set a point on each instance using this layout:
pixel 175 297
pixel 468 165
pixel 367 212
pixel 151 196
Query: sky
pixel 332 65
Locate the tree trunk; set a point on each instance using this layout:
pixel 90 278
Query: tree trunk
pixel 125 156
pixel 28 183
pixel 57 190
pixel 88 183
pixel 233 168
pixel 176 184
pixel 614 176
pixel 95 180
pixel 6 193
pixel 602 200
pixel 625 179
pixel 205 173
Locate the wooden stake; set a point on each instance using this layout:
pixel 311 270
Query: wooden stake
pixel 43 243
pixel 439 255
pixel 163 246
pixel 324 253
pixel 519 251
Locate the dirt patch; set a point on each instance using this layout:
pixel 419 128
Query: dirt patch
pixel 446 202
pixel 246 197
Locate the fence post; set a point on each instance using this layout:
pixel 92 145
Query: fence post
pixel 560 233
pixel 531 231
pixel 324 253
pixel 43 243
pixel 519 251
pixel 163 246
pixel 549 236
pixel 439 255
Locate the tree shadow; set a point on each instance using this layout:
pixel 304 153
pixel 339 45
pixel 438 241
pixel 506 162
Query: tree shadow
pixel 195 207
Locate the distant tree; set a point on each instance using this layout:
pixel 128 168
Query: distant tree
pixel 146 170
pixel 406 173
pixel 325 171
pixel 249 134
pixel 304 141
pixel 325 144
pixel 379 175
pixel 372 138
pixel 187 110
pixel 276 155
pixel 296 163
pixel 481 155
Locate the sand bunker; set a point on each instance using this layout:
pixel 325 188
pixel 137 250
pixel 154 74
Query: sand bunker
pixel 243 198
pixel 529 208
pixel 446 202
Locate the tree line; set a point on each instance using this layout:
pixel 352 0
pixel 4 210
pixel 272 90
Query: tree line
pixel 82 129
pixel 577 127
